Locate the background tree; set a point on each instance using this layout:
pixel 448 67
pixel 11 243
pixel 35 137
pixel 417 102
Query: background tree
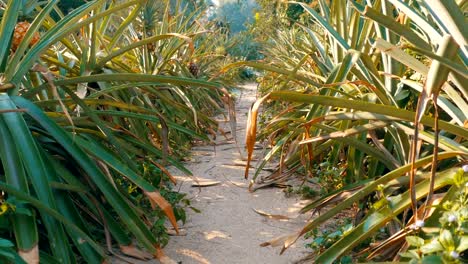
pixel 68 5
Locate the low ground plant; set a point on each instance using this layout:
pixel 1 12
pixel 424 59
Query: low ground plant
pixel 95 105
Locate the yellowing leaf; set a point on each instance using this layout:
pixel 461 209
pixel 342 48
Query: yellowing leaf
pixel 30 256
pixel 199 182
pixel 156 199
pixel 251 131
pixel 162 257
pixel 132 251
pixel 272 216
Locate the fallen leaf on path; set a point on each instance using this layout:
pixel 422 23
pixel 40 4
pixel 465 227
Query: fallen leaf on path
pixel 172 232
pixel 229 142
pixel 224 133
pixel 272 216
pixel 206 154
pixel 281 241
pixel 209 235
pixel 194 255
pixel 286 241
pixel 237 164
pixel 251 159
pixel 212 132
pixel 163 259
pixel 204 183
pixel 238 184
pixel 132 251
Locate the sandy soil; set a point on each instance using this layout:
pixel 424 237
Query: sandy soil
pixel 228 230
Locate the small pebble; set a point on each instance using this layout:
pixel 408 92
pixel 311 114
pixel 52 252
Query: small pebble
pixel 419 223
pixel 454 254
pixel 452 218
pixel 465 168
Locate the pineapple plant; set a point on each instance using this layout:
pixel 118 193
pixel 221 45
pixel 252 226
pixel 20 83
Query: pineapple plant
pixel 18 35
pixel 26 15
pixel 151 47
pixel 193 68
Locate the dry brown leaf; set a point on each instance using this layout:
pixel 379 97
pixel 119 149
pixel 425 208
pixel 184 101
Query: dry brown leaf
pixel 396 241
pixel 276 242
pixel 251 131
pixel 430 205
pixel 156 199
pixel 337 198
pixel 197 257
pixel 346 133
pixel 286 241
pixel 167 260
pixel 172 232
pixel 162 257
pixel 132 251
pixel 237 164
pixel 49 77
pixel 30 256
pixel 232 117
pixel 272 216
pixel 290 240
pixel 165 171
pixel 213 133
pixel 390 244
pixel 204 183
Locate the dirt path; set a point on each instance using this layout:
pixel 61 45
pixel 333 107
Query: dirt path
pixel 228 230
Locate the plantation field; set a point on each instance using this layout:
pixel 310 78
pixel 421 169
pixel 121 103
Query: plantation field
pixel 233 131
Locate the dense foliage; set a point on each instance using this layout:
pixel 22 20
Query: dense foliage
pixel 369 100
pixel 68 5
pixel 94 106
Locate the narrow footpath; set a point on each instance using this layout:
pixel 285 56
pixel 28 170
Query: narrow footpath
pixel 228 230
